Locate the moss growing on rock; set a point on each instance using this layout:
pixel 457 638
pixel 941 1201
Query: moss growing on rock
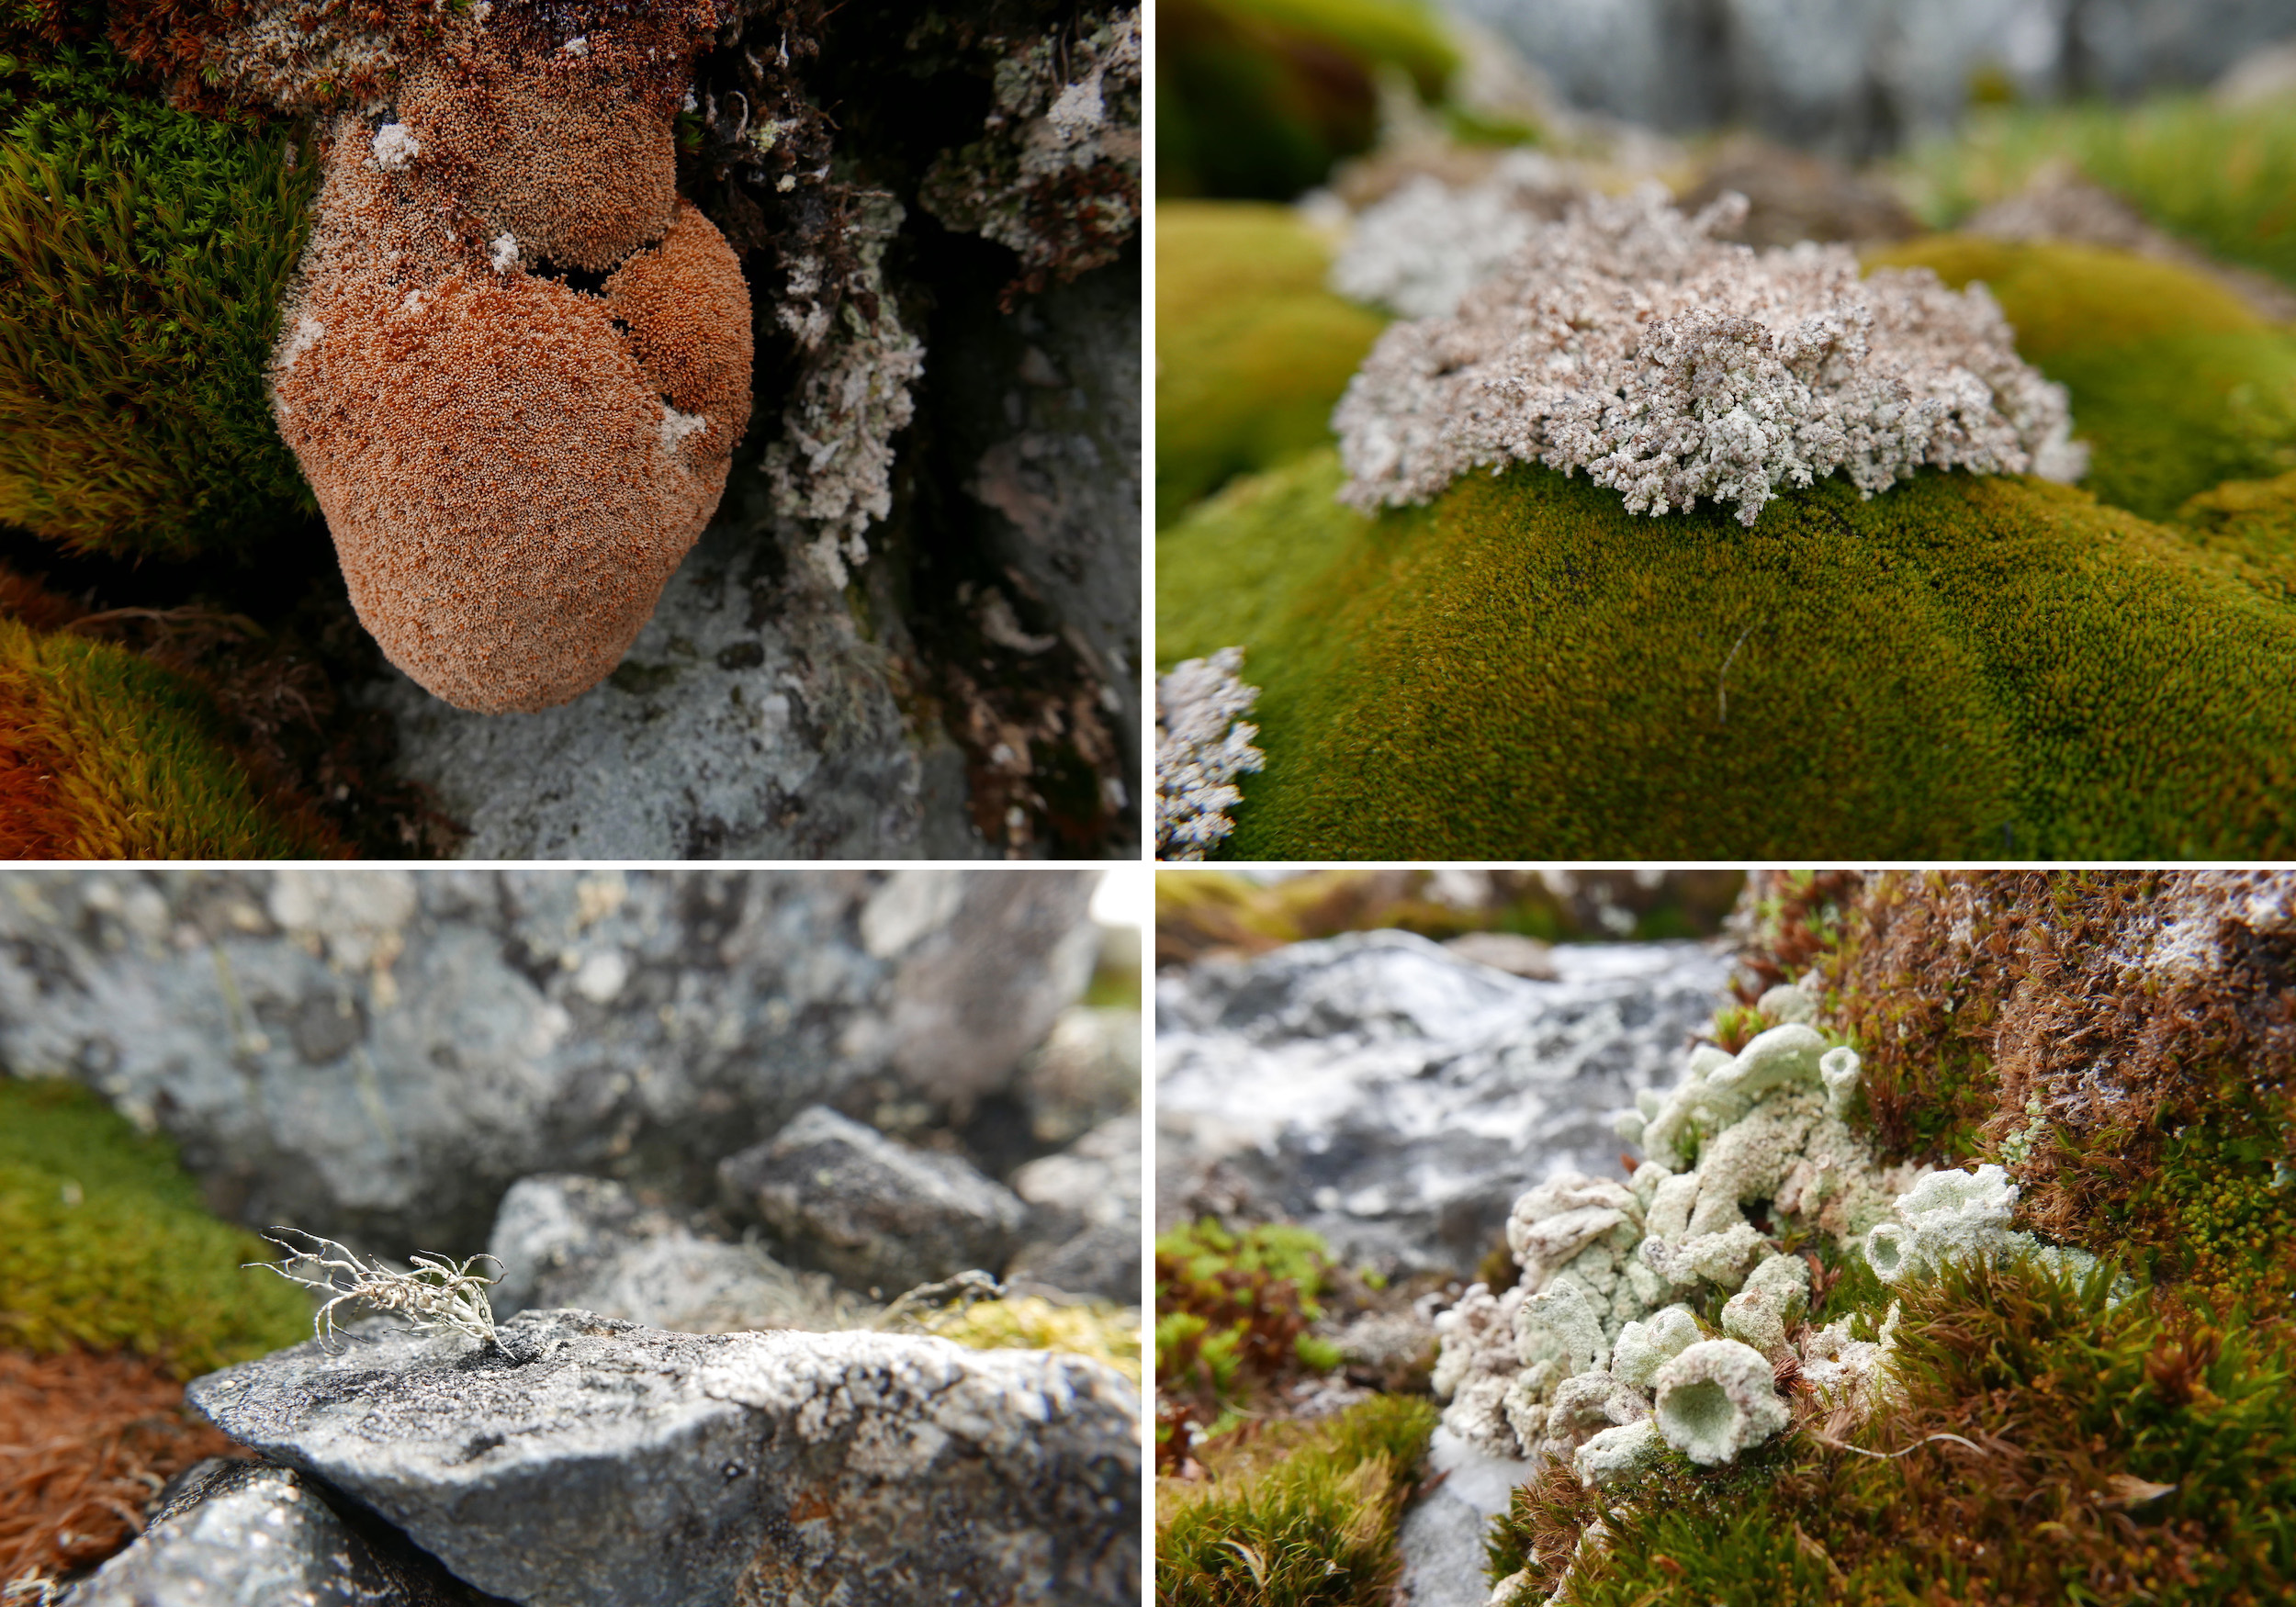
pixel 104 1244
pixel 143 251
pixel 1252 351
pixel 1960 667
pixel 2254 523
pixel 2175 382
pixel 104 755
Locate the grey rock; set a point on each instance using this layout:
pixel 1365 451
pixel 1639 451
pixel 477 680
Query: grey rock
pixel 1516 955
pixel 1085 1214
pixel 1441 1543
pixel 378 1055
pixel 588 1243
pixel 878 1214
pixel 1043 411
pixel 1397 1100
pixel 1084 1072
pixel 590 1462
pixel 1858 77
pixel 751 719
pixel 235 1533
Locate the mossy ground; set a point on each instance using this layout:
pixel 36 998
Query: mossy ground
pixel 1960 667
pixel 143 251
pixel 2176 384
pixel 2218 177
pixel 1258 98
pixel 1030 1322
pixel 104 1244
pixel 104 755
pixel 1252 351
pixel 1307 1515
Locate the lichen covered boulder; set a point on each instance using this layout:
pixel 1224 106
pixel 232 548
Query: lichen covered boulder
pixel 513 466
pixel 1962 665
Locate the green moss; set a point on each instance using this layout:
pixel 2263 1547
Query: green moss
pixel 2252 523
pixel 1962 667
pixel 1258 98
pixel 1252 351
pixel 2117 1454
pixel 1098 1330
pixel 143 252
pixel 1318 1526
pixel 1233 1311
pixel 104 1244
pixel 104 755
pixel 2218 177
pixel 2175 383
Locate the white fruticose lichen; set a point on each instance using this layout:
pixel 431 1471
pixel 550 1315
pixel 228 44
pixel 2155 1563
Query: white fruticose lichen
pixel 437 1295
pixel 502 252
pixel 676 427
pixel 1953 1216
pixel 1202 745
pixel 1420 250
pixel 1717 1398
pixel 1612 1273
pixel 395 147
pixel 1626 342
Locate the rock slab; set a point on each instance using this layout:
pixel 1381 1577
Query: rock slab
pixel 230 1534
pixel 1395 1099
pixel 877 1214
pixel 591 1463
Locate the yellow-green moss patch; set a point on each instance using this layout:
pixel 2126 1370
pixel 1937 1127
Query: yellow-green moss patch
pixel 1252 351
pixel 1962 667
pixel 104 1244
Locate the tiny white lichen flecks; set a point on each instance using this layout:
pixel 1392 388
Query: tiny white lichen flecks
pixel 502 252
pixel 1626 342
pixel 395 147
pixel 1202 745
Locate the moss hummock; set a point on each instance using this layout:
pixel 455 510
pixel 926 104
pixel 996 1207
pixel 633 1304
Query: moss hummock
pixel 2176 384
pixel 1960 667
pixel 1252 351
pixel 104 1244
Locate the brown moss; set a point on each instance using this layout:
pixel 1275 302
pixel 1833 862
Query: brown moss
pixel 506 489
pixel 91 1439
pixel 688 312
pixel 2098 1012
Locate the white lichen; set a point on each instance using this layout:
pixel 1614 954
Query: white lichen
pixel 1202 745
pixel 676 427
pixel 436 1295
pixel 1717 1399
pixel 1419 250
pixel 1626 342
pixel 1951 1218
pixel 395 147
pixel 504 252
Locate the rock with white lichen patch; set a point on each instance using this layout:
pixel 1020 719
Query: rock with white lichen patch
pixel 586 1459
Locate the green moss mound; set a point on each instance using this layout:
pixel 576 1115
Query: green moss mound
pixel 104 755
pixel 2252 523
pixel 1252 351
pixel 143 252
pixel 1258 98
pixel 2218 176
pixel 104 1244
pixel 2175 383
pixel 1318 1526
pixel 1959 668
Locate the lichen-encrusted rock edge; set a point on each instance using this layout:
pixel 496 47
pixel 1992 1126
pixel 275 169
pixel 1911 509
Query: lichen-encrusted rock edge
pixel 589 1461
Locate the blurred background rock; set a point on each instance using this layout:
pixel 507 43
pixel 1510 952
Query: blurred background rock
pixel 702 1100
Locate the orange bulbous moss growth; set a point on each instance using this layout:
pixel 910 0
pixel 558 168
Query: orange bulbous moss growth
pixel 512 467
